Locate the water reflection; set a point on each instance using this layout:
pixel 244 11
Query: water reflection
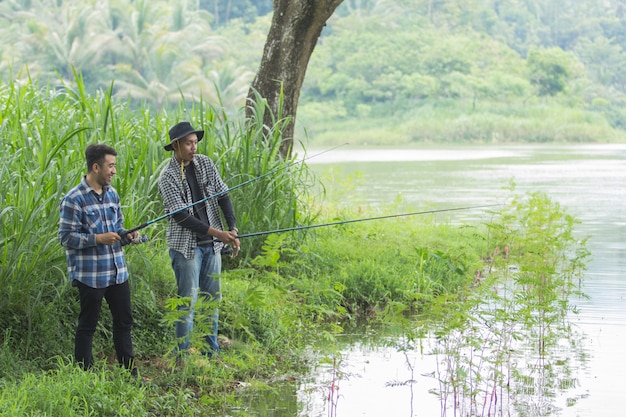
pixel 489 364
pixel 493 367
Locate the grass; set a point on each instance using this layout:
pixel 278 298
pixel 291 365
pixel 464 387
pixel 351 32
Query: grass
pixel 285 293
pixel 30 192
pixel 325 283
pixel 68 391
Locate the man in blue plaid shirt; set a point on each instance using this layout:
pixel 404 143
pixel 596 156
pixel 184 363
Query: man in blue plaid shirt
pixel 91 230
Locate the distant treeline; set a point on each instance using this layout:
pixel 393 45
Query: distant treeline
pixel 375 58
pixel 504 58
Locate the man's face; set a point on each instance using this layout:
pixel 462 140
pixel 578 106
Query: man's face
pixel 185 148
pixel 105 172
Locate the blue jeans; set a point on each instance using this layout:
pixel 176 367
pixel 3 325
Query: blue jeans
pixel 194 277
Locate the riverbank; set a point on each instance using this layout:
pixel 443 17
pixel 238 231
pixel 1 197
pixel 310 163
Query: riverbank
pixel 284 294
pixel 299 292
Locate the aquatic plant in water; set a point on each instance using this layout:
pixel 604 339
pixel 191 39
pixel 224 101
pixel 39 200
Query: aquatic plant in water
pixel 503 351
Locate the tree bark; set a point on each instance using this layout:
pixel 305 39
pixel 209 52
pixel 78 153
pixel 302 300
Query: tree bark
pixel 296 27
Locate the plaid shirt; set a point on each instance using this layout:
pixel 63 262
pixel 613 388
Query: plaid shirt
pixel 83 214
pixel 176 194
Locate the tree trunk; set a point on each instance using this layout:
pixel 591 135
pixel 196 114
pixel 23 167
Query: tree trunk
pixel 296 27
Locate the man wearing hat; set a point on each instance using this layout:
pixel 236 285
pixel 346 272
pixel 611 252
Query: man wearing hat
pixel 195 236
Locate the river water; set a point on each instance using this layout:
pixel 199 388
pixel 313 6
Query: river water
pixel 589 181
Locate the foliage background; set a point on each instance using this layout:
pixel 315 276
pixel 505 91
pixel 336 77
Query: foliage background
pixel 122 71
pixel 405 70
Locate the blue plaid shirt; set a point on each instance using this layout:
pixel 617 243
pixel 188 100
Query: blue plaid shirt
pixel 84 214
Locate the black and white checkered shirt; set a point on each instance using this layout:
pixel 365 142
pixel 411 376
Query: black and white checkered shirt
pixel 176 194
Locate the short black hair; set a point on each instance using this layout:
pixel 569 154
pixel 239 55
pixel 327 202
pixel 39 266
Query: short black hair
pixel 96 152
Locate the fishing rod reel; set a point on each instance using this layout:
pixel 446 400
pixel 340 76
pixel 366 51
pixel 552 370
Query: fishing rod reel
pixel 227 250
pixel 140 239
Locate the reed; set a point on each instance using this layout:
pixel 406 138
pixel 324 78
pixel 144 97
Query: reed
pixel 43 135
pixel 35 173
pixel 322 280
pixel 495 346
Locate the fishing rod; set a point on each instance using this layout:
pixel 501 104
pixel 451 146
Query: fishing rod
pixel 221 193
pixel 289 229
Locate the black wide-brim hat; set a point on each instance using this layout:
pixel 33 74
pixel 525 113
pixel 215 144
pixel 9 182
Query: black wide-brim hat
pixel 181 130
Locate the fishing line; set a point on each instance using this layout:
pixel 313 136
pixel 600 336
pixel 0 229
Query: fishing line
pixel 165 216
pixel 289 229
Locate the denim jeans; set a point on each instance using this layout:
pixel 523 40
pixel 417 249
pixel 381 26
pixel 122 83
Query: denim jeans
pixel 118 299
pixel 195 277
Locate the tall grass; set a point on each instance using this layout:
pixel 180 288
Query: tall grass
pixel 504 349
pixel 35 172
pixel 288 290
pixel 43 135
pixel 245 150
